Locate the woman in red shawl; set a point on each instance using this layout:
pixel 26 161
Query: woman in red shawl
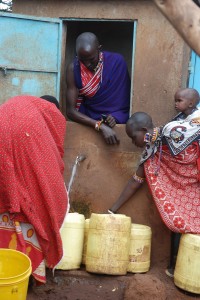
pixel 170 164
pixel 33 197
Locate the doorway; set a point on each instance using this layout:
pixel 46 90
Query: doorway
pixel 114 36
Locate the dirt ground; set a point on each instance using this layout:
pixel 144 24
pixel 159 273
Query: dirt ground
pixel 81 285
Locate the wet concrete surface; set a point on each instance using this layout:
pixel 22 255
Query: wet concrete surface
pixel 81 285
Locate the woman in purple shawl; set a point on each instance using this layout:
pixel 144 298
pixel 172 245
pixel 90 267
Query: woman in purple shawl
pixel 98 88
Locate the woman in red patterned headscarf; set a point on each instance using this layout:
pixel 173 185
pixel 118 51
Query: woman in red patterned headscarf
pixel 33 197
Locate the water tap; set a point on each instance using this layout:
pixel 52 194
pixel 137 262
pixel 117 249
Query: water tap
pixel 80 158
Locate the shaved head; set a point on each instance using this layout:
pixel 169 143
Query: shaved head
pixel 137 126
pixel 189 94
pixel 86 41
pixel 140 120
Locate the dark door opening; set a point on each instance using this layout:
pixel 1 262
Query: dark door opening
pixel 114 36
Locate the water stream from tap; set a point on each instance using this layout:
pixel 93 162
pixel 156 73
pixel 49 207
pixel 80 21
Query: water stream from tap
pixel 74 169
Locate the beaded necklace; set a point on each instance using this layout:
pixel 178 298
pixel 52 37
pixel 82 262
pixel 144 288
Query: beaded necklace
pixel 99 62
pixel 155 134
pixel 158 142
pixel 154 142
pixel 151 138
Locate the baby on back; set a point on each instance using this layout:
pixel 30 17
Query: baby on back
pixel 186 102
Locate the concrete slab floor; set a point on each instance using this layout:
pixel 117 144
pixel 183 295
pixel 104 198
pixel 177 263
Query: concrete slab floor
pixel 81 285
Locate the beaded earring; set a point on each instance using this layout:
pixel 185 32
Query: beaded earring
pixel 147 137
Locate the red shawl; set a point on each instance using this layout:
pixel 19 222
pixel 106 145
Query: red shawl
pixel 176 189
pixel 90 81
pixel 32 188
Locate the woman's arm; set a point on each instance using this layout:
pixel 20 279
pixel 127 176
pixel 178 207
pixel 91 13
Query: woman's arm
pixel 132 186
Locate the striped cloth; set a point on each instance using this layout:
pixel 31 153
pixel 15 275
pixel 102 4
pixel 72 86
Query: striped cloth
pixel 90 81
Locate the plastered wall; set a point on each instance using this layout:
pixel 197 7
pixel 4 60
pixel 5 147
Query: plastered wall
pixel 100 178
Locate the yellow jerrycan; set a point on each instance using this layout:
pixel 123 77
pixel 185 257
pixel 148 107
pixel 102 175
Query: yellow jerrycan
pixel 72 234
pixel 140 249
pixel 86 230
pixel 108 244
pixel 187 269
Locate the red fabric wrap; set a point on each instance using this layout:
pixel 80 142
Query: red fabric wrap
pixel 31 169
pixel 176 189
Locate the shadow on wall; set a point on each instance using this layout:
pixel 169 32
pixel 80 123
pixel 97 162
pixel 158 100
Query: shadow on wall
pixel 81 207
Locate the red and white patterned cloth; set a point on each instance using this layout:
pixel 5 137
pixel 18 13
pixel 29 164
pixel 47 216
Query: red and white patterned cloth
pixel 32 187
pixel 22 237
pixel 90 81
pixel 176 188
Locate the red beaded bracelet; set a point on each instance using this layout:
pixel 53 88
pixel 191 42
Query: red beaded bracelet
pixel 98 124
pixel 138 179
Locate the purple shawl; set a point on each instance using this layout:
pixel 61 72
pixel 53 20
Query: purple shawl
pixel 113 95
